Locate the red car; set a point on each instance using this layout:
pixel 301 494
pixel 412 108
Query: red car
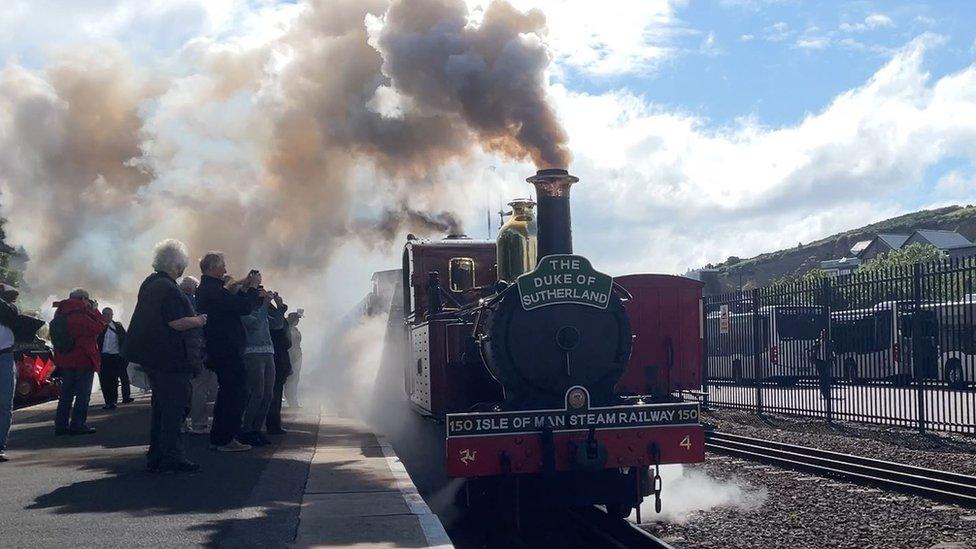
pixel 35 364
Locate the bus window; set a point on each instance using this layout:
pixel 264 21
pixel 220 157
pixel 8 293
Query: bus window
pixel 967 340
pixel 793 325
pixel 867 334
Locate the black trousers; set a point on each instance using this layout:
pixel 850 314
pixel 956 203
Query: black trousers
pixel 113 372
pixel 273 421
pixel 230 399
pixel 170 402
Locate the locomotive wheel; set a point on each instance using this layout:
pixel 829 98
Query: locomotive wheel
pixel 618 510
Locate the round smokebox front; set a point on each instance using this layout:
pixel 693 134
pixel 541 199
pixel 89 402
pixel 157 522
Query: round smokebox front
pixel 537 355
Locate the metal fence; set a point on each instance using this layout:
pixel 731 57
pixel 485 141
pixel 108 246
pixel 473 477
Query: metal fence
pixel 895 347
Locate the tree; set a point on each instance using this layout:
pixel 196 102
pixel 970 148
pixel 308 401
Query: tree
pixel 909 255
pixel 11 260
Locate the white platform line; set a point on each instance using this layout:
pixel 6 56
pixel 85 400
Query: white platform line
pixel 437 537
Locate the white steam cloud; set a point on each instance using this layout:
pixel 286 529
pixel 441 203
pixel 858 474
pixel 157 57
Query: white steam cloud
pixel 687 490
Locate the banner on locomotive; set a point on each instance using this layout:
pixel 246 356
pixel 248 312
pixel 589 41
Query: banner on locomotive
pixel 535 421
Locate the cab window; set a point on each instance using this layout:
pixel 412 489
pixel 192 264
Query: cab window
pixel 461 274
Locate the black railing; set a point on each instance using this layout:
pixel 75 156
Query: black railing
pixel 894 347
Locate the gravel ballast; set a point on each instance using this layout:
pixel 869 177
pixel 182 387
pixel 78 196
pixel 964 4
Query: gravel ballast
pixel 801 511
pixel 744 504
pixel 935 450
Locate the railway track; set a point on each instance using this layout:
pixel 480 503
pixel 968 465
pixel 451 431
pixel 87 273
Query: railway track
pixel 930 483
pixel 580 528
pixel 601 530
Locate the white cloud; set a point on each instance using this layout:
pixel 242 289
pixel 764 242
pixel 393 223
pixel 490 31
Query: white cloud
pixel 608 38
pixel 146 30
pixel 871 22
pixel 956 187
pixel 777 32
pixel 747 37
pixel 709 45
pixel 682 193
pixel 813 42
pixel 754 5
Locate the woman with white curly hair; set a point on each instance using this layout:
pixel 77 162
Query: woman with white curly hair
pixel 158 340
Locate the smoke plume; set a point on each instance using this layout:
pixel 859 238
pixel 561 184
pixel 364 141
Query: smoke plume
pixel 492 75
pixel 270 150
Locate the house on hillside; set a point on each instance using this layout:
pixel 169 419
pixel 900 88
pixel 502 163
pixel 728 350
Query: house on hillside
pixel 840 267
pixel 952 244
pixel 858 247
pixel 882 244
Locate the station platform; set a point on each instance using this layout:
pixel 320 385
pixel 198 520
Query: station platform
pixel 359 494
pixel 329 485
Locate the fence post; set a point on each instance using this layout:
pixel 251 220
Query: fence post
pixel 827 351
pixel 757 348
pixel 706 374
pixel 916 340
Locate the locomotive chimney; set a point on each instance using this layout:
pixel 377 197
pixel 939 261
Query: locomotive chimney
pixel 552 194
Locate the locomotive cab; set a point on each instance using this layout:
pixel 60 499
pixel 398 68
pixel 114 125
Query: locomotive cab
pixel 442 373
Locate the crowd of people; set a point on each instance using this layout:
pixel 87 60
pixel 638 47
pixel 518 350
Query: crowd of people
pixel 217 339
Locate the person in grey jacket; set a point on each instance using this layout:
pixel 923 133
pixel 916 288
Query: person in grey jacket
pixel 259 368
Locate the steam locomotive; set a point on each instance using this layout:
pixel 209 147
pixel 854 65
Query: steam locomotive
pixel 557 384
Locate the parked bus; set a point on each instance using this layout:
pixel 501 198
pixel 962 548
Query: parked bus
pixel 890 342
pixel 787 337
pixel 956 342
pixel 865 345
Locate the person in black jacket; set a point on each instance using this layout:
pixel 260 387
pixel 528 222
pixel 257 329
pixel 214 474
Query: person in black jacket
pixel 224 335
pixel 113 369
pixel 158 341
pixel 281 340
pixel 8 372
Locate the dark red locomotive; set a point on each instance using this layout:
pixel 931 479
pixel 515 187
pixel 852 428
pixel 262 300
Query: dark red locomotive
pixel 554 381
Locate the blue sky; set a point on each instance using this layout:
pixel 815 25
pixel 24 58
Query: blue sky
pixel 779 61
pixel 700 128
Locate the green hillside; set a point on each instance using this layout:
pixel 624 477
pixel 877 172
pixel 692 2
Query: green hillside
pixel 764 268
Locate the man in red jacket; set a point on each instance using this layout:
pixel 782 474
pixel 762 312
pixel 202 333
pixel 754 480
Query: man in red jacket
pixel 79 364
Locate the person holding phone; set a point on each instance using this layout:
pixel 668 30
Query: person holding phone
pixel 259 365
pixel 225 303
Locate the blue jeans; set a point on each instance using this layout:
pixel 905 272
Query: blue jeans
pixel 8 379
pixel 259 372
pixel 76 386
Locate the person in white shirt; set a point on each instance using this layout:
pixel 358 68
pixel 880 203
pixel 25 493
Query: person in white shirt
pixel 295 355
pixel 113 370
pixel 8 372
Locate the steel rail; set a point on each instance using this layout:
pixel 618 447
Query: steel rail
pixel 612 532
pixel 931 483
